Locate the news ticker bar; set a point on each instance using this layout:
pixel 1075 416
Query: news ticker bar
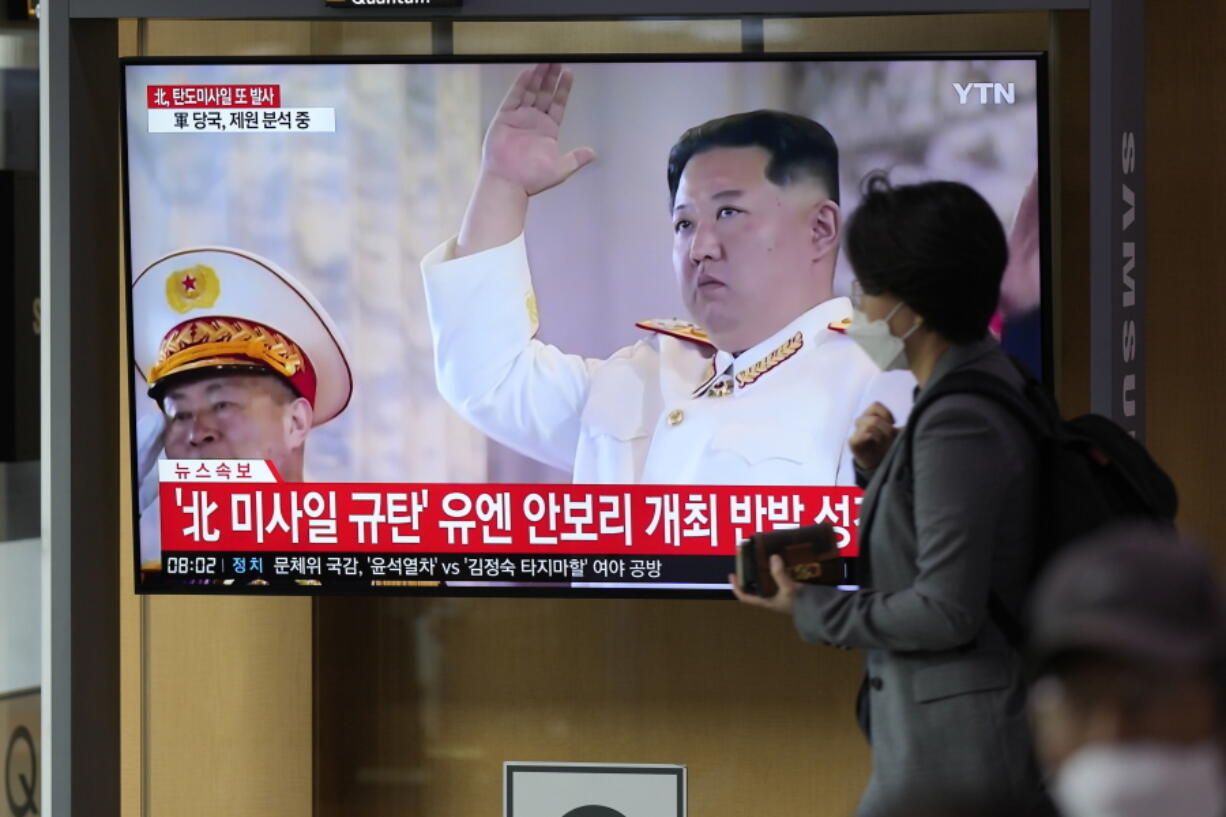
pixel 440 569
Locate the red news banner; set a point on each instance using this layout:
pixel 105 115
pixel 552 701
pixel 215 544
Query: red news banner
pixel 241 510
pixel 235 505
pixel 213 96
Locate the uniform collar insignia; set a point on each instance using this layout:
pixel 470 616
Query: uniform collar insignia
pixel 815 326
pixel 750 374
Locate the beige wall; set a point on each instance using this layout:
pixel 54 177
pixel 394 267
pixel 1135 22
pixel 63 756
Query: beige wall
pixel 1184 164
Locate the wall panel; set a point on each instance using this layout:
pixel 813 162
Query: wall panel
pixel 599 37
pixel 1070 208
pixel 370 38
pixel 254 38
pixel 929 32
pixel 1186 115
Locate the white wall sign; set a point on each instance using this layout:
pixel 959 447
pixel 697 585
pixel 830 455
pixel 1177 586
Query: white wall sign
pixel 593 790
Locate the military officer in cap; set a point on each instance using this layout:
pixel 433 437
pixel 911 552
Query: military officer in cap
pixel 242 360
pixel 762 388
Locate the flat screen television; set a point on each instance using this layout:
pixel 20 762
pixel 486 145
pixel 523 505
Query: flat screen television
pixel 597 389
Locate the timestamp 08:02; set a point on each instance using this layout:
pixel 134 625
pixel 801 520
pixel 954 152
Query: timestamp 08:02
pixel 192 565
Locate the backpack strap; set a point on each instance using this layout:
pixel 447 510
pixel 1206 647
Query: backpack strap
pixel 1038 420
pixel 1034 409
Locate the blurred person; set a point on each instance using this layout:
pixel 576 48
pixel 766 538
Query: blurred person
pixel 242 361
pixel 763 389
pixel 1128 639
pixel 944 522
pixel 1020 312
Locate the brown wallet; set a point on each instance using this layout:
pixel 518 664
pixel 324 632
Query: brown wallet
pixel 810 555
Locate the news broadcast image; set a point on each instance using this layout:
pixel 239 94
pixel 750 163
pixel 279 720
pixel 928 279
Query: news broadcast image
pixel 327 397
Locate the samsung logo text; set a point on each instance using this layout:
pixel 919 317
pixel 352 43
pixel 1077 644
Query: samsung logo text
pixel 1128 280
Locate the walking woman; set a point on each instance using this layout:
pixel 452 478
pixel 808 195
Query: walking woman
pixel 946 521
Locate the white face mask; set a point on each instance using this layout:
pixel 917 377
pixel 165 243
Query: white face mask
pixel 1142 780
pixel 886 350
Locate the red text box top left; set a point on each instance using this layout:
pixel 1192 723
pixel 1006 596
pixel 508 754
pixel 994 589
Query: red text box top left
pixel 214 96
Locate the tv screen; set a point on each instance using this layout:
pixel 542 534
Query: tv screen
pixel 486 326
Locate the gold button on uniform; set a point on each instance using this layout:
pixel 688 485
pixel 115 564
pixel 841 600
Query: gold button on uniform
pixel 675 417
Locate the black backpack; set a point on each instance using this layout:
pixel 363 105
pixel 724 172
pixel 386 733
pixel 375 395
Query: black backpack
pixel 1091 471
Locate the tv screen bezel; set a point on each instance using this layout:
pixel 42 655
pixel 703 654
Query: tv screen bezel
pixel 1046 289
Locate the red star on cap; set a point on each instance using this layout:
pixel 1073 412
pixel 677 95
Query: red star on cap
pixel 189 283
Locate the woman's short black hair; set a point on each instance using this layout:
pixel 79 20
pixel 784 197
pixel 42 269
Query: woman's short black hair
pixel 798 147
pixel 938 246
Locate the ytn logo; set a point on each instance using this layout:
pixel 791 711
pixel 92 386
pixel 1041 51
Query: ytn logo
pixel 1001 94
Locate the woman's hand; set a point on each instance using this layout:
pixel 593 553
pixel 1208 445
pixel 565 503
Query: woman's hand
pixel 784 599
pixel 873 434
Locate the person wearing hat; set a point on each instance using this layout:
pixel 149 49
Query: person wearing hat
pixel 759 386
pixel 1128 644
pixel 243 361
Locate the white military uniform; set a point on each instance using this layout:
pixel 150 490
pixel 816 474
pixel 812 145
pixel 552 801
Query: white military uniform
pixel 670 408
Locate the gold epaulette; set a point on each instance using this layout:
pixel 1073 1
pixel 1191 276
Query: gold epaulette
pixel 839 326
pixel 677 329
